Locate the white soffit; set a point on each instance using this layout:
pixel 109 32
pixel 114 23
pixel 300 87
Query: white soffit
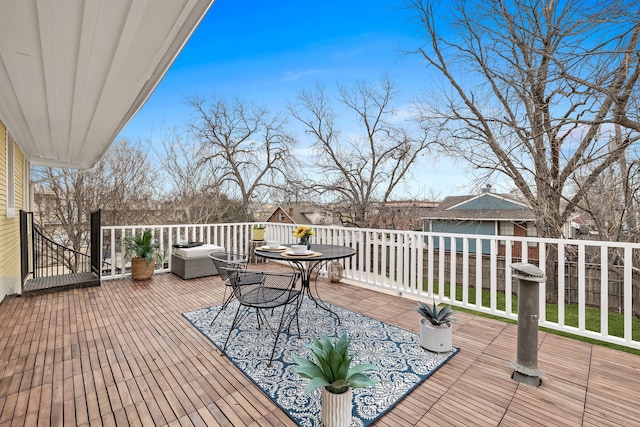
pixel 74 72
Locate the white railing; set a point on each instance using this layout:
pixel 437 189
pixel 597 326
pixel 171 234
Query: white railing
pixel 589 278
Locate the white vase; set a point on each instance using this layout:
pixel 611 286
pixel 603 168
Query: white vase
pixel 336 408
pixel 436 338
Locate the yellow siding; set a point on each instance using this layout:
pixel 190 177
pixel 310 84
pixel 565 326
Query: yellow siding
pixel 3 171
pixel 20 176
pixel 10 227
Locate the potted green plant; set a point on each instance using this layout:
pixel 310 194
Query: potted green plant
pixel 144 252
pixel 258 232
pixel 436 333
pixel 333 372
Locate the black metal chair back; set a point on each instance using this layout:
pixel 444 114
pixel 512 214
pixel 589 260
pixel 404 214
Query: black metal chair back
pixel 223 261
pixel 228 260
pixel 265 291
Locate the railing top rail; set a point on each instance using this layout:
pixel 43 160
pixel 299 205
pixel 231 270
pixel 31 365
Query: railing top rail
pixel 434 234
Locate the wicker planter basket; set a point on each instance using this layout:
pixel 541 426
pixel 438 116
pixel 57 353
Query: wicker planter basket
pixel 141 270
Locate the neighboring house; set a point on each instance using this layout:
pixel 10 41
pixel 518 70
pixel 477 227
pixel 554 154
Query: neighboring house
pixel 44 204
pixel 13 185
pixel 487 213
pixel 580 227
pixel 262 211
pixel 72 77
pixel 301 214
pixel 402 214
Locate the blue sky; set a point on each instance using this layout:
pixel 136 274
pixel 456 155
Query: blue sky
pixel 266 52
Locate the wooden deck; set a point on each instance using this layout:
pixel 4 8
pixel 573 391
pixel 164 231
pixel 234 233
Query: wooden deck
pixel 122 354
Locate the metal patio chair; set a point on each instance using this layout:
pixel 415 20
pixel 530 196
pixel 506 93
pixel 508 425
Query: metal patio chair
pixel 224 261
pixel 273 290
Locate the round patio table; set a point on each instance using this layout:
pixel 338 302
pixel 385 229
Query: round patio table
pixel 309 265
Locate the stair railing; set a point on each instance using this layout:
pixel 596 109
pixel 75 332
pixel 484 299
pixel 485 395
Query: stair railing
pixel 53 259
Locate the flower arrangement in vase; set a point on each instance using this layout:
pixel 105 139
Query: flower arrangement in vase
pixel 303 233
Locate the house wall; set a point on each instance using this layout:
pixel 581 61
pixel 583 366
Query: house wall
pixel 487 228
pixel 322 217
pixel 519 230
pixel 280 216
pixel 10 227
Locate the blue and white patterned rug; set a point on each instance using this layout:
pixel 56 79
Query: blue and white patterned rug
pixel 402 363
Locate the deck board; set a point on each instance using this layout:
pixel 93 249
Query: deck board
pixel 63 282
pixel 123 354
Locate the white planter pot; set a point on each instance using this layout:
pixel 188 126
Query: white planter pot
pixel 436 338
pixel 336 408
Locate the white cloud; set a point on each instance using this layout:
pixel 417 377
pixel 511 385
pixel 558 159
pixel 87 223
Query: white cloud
pixel 299 74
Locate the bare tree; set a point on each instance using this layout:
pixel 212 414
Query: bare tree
pixel 533 91
pixel 403 214
pixel 249 148
pixel 613 202
pixel 121 184
pixel 193 187
pixel 355 173
pixel 124 184
pixel 62 213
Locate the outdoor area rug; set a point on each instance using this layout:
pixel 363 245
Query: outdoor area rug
pixel 402 363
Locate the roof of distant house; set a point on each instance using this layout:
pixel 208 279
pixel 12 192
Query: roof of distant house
pixel 295 212
pixel 411 203
pixel 487 205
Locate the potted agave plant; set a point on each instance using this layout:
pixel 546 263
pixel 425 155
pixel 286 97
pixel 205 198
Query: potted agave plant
pixel 144 252
pixel 333 372
pixel 436 333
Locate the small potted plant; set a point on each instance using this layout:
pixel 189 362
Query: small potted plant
pixel 333 372
pixel 144 252
pixel 436 333
pixel 258 232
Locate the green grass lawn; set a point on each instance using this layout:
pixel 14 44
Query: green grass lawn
pixel 592 316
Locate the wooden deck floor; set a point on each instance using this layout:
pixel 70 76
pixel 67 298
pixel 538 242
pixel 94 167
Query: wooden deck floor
pixel 122 354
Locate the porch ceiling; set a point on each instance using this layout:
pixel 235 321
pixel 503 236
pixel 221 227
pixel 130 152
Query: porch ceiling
pixel 73 73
